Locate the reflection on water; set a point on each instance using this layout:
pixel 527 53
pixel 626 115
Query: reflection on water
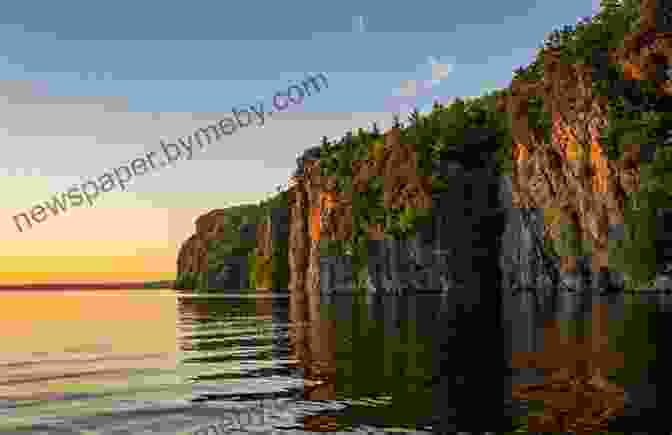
pixel 169 362
pixel 588 363
pixel 576 391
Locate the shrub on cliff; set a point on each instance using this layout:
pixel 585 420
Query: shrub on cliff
pixel 471 132
pixel 635 254
pixel 190 281
pixel 569 242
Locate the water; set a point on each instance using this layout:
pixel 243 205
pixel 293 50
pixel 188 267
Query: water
pixel 162 361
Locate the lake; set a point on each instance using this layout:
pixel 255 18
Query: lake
pixel 166 361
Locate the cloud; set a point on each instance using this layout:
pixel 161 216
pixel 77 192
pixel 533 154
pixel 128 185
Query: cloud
pixel 408 91
pixel 414 88
pixel 408 88
pixel 441 71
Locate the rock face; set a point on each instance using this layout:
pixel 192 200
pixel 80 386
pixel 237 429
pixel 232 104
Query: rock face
pixel 232 275
pixel 455 250
pixel 319 212
pixel 232 227
pixel 336 274
pixel 299 239
pixel 475 232
pixel 279 224
pixel 486 224
pixel 193 257
pixel 584 189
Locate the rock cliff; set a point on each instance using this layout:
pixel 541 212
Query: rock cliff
pixel 193 255
pixel 570 179
pixel 237 248
pixel 554 219
pixel 567 183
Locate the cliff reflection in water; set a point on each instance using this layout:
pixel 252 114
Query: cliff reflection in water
pixel 589 363
pixel 360 362
pixel 396 364
pixel 447 363
pixel 312 340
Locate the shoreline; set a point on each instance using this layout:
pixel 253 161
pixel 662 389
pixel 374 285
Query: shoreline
pixel 85 286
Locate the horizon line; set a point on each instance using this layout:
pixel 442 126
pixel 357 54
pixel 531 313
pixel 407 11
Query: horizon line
pixel 102 285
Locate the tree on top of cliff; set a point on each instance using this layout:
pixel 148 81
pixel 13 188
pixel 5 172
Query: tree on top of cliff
pixel 580 42
pixel 395 122
pixel 375 131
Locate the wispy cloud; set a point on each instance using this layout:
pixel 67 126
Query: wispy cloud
pixel 414 88
pixel 409 90
pixel 440 71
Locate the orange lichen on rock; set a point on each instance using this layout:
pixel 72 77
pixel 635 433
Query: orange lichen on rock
pixel 327 200
pixel 631 71
pixel 599 162
pixel 572 151
pixel 315 223
pixel 520 152
pixel 566 138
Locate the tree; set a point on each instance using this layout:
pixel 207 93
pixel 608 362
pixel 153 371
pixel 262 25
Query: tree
pixel 376 131
pixel 396 123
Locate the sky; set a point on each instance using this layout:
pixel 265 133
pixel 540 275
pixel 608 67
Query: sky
pixel 86 87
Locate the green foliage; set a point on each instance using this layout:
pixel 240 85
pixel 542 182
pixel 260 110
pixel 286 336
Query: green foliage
pixel 186 281
pixel 231 244
pixel 402 223
pixel 569 243
pixel 577 44
pixel 636 254
pixel 357 247
pixel 628 126
pixel 438 135
pixel 533 72
pixel 280 264
pixel 656 177
pixel 440 184
pixel 331 248
pixel 360 278
pixel 190 281
pixel 549 247
pixel 538 118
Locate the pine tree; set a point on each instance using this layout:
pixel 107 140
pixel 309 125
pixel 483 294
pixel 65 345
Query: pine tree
pixel 362 136
pixel 396 123
pixel 414 118
pixel 376 131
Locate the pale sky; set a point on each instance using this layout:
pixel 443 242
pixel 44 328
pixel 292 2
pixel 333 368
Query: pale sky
pixel 81 94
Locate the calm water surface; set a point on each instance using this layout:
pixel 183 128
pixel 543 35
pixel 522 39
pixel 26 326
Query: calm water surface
pixel 162 361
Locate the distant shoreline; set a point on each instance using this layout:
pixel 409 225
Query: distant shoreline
pixel 90 286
